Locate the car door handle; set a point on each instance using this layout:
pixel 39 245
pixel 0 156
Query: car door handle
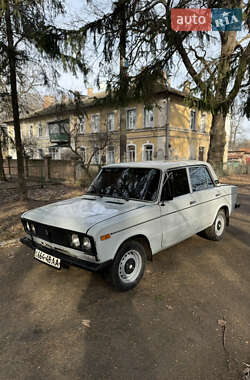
pixel 192 203
pixel 217 195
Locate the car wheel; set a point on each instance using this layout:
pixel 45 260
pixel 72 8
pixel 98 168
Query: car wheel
pixel 217 230
pixel 128 265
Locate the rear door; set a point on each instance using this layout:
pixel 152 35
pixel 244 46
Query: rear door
pixel 176 214
pixel 204 196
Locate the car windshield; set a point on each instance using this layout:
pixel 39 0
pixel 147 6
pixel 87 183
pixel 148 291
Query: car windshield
pixel 127 183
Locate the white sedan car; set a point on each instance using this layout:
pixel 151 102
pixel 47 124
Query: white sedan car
pixel 131 212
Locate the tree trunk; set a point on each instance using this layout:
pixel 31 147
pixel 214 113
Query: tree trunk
pixel 15 107
pixel 2 174
pixel 217 141
pixel 123 83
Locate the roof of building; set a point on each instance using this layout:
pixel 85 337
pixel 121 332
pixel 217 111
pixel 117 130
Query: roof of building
pixel 239 150
pixel 85 102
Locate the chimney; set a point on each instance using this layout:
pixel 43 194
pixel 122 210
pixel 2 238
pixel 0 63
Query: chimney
pixel 90 92
pixel 186 88
pixel 48 101
pixel 64 98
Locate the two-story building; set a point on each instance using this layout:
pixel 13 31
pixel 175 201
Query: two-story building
pixel 167 129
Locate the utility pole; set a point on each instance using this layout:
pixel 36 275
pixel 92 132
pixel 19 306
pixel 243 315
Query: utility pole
pixel 123 80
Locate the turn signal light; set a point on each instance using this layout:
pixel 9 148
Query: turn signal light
pixel 105 237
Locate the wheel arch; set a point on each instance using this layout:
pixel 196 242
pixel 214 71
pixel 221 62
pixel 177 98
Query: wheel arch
pixel 143 240
pixel 226 211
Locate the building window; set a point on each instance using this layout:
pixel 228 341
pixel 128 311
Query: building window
pixel 203 122
pixel 193 120
pixel 148 118
pixel 96 156
pixel 40 153
pixel 131 119
pixel 83 153
pixel 148 152
pixel 81 125
pixel 40 130
pixel 95 123
pixel 111 121
pixel 131 153
pixel 31 131
pixel 110 155
pixel 201 153
pixel 54 152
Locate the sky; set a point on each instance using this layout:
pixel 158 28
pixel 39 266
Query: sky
pixel 79 9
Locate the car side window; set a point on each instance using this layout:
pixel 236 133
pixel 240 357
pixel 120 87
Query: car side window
pixel 175 184
pixel 200 178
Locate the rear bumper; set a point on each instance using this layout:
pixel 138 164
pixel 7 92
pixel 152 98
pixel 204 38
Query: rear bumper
pixel 65 259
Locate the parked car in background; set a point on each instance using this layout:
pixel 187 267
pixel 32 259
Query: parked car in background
pixel 131 212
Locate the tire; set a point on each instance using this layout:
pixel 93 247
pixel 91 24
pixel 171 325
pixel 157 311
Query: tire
pixel 217 230
pixel 128 265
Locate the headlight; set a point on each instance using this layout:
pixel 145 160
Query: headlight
pixel 75 240
pixel 33 229
pixel 86 244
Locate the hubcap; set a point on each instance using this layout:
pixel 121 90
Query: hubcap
pixel 130 266
pixel 219 225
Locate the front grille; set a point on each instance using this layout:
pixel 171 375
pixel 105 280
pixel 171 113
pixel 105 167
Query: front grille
pixel 58 236
pixel 55 235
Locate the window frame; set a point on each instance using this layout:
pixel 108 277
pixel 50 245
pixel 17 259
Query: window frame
pixel 143 151
pixel 144 117
pixel 127 113
pixel 208 171
pixel 94 116
pixel 107 154
pixel 191 120
pixel 40 131
pixel 127 151
pixel 203 119
pixel 113 120
pixel 83 148
pixel 82 125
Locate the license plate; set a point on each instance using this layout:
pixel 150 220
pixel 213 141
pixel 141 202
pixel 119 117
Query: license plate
pixel 48 259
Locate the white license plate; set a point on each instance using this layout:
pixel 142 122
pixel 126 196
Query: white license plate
pixel 48 259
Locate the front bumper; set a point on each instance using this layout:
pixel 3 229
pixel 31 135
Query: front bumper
pixel 65 259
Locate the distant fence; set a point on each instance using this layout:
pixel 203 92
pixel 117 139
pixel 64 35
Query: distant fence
pixel 50 170
pixel 71 171
pixel 231 168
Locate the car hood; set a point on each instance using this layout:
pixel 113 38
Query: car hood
pixel 81 213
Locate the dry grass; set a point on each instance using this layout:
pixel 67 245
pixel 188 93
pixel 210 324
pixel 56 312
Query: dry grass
pixel 11 208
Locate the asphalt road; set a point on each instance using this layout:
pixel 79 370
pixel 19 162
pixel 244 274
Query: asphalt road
pixel 189 318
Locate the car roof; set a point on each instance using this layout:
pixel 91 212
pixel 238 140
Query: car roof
pixel 163 165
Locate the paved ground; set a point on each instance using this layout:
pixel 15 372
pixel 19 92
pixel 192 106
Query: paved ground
pixel 188 319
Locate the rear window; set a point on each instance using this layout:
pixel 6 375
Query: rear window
pixel 200 178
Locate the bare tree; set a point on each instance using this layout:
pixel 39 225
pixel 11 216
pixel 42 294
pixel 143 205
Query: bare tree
pixel 97 143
